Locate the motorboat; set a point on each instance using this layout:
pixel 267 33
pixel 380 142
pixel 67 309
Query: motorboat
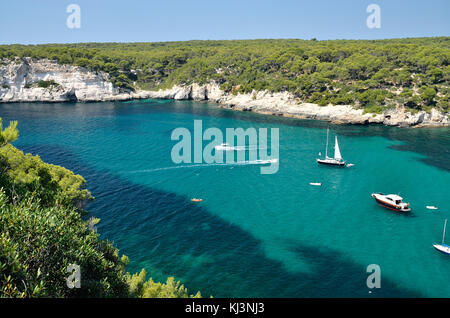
pixel 224 147
pixel 392 202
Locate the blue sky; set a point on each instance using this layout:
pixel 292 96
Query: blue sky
pixel 44 21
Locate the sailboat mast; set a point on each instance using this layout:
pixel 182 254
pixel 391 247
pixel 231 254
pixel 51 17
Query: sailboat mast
pixel 326 150
pixel 443 236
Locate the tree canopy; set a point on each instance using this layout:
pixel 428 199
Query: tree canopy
pixel 364 73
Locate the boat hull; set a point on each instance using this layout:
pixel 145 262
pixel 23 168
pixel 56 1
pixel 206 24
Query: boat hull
pixel 443 248
pixel 389 206
pixel 331 163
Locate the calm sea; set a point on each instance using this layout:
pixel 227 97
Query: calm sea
pixel 255 235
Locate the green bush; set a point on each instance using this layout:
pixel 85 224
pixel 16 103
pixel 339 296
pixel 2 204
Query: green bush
pixel 141 288
pixel 38 244
pixel 46 84
pixel 374 109
pixel 42 232
pixel 51 184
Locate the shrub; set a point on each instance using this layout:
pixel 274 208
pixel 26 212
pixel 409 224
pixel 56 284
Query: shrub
pixel 46 84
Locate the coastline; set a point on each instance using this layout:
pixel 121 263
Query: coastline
pixel 78 84
pixel 286 105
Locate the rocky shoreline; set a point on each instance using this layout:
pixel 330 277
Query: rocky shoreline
pixel 18 84
pixel 285 104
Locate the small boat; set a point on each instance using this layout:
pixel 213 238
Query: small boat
pixel 444 248
pixel 259 161
pixel 196 200
pixel 337 160
pixel 224 146
pixel 350 164
pixel 392 202
pixel 431 207
pixel 315 184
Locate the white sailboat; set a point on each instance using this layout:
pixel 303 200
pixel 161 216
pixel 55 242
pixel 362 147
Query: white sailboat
pixel 444 248
pixel 337 160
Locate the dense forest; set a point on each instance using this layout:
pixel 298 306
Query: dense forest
pixel 44 229
pixel 370 74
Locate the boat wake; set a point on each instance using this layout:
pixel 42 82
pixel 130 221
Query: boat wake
pixel 226 147
pixel 242 163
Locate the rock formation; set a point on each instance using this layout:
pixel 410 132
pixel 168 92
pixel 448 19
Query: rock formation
pixel 19 82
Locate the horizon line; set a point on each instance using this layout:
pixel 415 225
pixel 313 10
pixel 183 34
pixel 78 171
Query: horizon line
pixel 230 40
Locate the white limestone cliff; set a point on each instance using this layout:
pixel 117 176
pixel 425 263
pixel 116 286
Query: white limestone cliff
pixel 19 78
pixel 285 104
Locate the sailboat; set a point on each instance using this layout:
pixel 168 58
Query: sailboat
pixel 337 160
pixel 444 248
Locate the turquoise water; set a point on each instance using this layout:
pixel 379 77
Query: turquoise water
pixel 255 235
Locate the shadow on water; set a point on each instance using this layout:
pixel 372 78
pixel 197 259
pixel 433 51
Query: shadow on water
pixel 335 275
pixel 169 235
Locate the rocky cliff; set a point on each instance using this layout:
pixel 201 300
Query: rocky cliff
pixel 21 81
pixel 285 104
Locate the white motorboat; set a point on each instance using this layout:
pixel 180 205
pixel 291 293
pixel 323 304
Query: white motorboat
pixel 392 202
pixel 224 147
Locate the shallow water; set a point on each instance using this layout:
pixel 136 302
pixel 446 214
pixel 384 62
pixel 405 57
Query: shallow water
pixel 255 235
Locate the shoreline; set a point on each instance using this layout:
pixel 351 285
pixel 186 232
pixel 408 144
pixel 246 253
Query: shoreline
pixel 283 104
pixel 365 122
pixel 78 84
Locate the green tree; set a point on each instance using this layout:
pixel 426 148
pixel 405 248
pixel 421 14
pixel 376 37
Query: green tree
pixel 8 134
pixel 428 95
pixel 141 288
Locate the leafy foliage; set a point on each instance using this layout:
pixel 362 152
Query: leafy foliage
pixel 141 288
pixel 8 134
pixel 52 185
pixel 42 233
pixel 46 84
pixel 358 72
pixel 38 243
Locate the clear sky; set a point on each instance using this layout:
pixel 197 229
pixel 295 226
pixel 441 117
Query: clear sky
pixel 44 21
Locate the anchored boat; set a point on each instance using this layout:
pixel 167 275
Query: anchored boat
pixel 392 202
pixel 444 248
pixel 337 160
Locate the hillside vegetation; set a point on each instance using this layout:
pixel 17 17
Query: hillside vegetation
pixel 374 75
pixel 43 230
